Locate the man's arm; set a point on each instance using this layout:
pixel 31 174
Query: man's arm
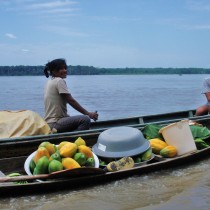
pixel 79 108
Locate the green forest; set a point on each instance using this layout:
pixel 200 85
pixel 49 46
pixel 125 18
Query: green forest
pixel 90 70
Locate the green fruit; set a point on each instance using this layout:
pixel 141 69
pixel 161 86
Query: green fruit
pixel 137 159
pixel 80 158
pixel 17 174
pixel 32 165
pixel 42 165
pixel 51 148
pixel 90 162
pixel 147 155
pixel 102 163
pixel 14 174
pixel 54 166
pixel 55 156
pixel 35 172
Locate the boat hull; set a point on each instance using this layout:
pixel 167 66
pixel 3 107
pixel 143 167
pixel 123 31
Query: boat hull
pixel 11 189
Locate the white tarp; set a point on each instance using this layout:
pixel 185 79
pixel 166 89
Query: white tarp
pixel 22 123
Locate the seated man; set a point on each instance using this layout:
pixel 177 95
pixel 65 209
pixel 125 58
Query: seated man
pixel 56 98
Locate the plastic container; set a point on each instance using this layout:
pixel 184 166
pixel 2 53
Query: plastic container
pixel 180 136
pixel 120 142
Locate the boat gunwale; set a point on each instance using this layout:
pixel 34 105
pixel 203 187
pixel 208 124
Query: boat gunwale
pixel 188 116
pixel 89 132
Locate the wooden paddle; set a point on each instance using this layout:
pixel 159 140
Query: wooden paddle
pixel 76 172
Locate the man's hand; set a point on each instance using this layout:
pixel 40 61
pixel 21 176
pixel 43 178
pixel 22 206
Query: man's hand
pixel 93 115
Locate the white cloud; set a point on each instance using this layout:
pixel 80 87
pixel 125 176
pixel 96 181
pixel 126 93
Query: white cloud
pixel 11 36
pixel 65 31
pixel 58 11
pixel 48 6
pixel 25 50
pixel 114 18
pixel 52 4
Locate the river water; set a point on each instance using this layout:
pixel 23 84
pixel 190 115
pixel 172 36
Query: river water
pixel 117 97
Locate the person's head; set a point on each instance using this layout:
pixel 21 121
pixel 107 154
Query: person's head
pixel 56 68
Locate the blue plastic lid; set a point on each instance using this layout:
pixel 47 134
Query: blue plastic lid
pixel 120 142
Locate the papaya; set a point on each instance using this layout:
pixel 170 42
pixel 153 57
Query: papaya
pixel 17 174
pixel 41 151
pixel 55 156
pixel 68 150
pixel 122 164
pixel 157 144
pixel 42 165
pixel 85 150
pixel 32 165
pixel 35 171
pixel 51 148
pixel 137 159
pixel 90 162
pixel 80 141
pixel 168 152
pixel 54 166
pixel 14 174
pixel 147 155
pixel 102 162
pixel 80 158
pixel 70 163
pixel 62 144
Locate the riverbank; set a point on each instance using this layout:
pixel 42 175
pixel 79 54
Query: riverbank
pixel 90 70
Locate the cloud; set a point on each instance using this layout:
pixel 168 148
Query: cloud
pixel 60 10
pixel 52 4
pixel 64 31
pixel 47 6
pixel 114 18
pixel 11 36
pixel 25 50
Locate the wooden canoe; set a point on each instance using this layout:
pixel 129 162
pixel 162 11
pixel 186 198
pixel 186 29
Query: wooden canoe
pixel 14 147
pixel 102 125
pixel 16 164
pixel 52 185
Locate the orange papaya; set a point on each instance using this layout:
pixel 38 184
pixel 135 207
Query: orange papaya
pixel 40 152
pixel 69 163
pixel 157 144
pixel 62 144
pixel 51 148
pixel 68 150
pixel 168 152
pixel 85 150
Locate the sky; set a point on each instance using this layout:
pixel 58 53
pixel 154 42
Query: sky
pixel 106 33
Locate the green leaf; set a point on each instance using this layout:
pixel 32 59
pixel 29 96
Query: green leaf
pixel 199 132
pixel 151 131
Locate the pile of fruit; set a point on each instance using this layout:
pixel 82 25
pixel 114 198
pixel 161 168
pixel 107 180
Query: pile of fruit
pixel 160 147
pixel 50 158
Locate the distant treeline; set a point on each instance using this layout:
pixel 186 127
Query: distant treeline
pixel 90 70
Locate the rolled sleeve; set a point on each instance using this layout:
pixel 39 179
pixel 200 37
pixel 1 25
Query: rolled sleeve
pixel 206 86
